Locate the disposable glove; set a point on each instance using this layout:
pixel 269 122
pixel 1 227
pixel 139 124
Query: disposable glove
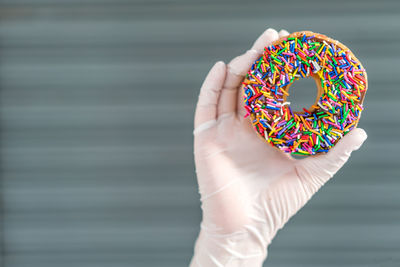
pixel 248 189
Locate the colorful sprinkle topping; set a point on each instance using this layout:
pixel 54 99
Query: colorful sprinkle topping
pixel 342 83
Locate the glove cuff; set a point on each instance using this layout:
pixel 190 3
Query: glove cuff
pixel 236 249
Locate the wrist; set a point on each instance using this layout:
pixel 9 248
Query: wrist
pixel 236 249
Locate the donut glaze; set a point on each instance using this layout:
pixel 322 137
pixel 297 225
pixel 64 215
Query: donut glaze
pixel 341 82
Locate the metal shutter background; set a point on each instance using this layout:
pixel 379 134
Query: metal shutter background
pixel 97 100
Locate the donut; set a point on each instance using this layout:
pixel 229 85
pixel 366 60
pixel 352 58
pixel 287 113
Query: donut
pixel 341 86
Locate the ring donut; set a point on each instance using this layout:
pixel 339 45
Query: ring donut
pixel 341 81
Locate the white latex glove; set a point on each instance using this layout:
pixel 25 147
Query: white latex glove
pixel 249 189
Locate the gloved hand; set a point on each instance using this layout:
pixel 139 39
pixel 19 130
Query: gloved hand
pixel 249 189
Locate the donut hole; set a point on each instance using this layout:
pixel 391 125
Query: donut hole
pixel 303 93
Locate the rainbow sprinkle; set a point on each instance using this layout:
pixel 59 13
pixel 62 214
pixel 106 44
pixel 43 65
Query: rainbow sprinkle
pixel 343 83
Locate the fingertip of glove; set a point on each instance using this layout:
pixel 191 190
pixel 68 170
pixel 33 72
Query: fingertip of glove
pixel 283 32
pixel 219 65
pixel 362 133
pixel 356 138
pixel 217 71
pixel 272 33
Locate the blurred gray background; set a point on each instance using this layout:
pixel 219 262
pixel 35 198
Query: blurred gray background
pixel 97 100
